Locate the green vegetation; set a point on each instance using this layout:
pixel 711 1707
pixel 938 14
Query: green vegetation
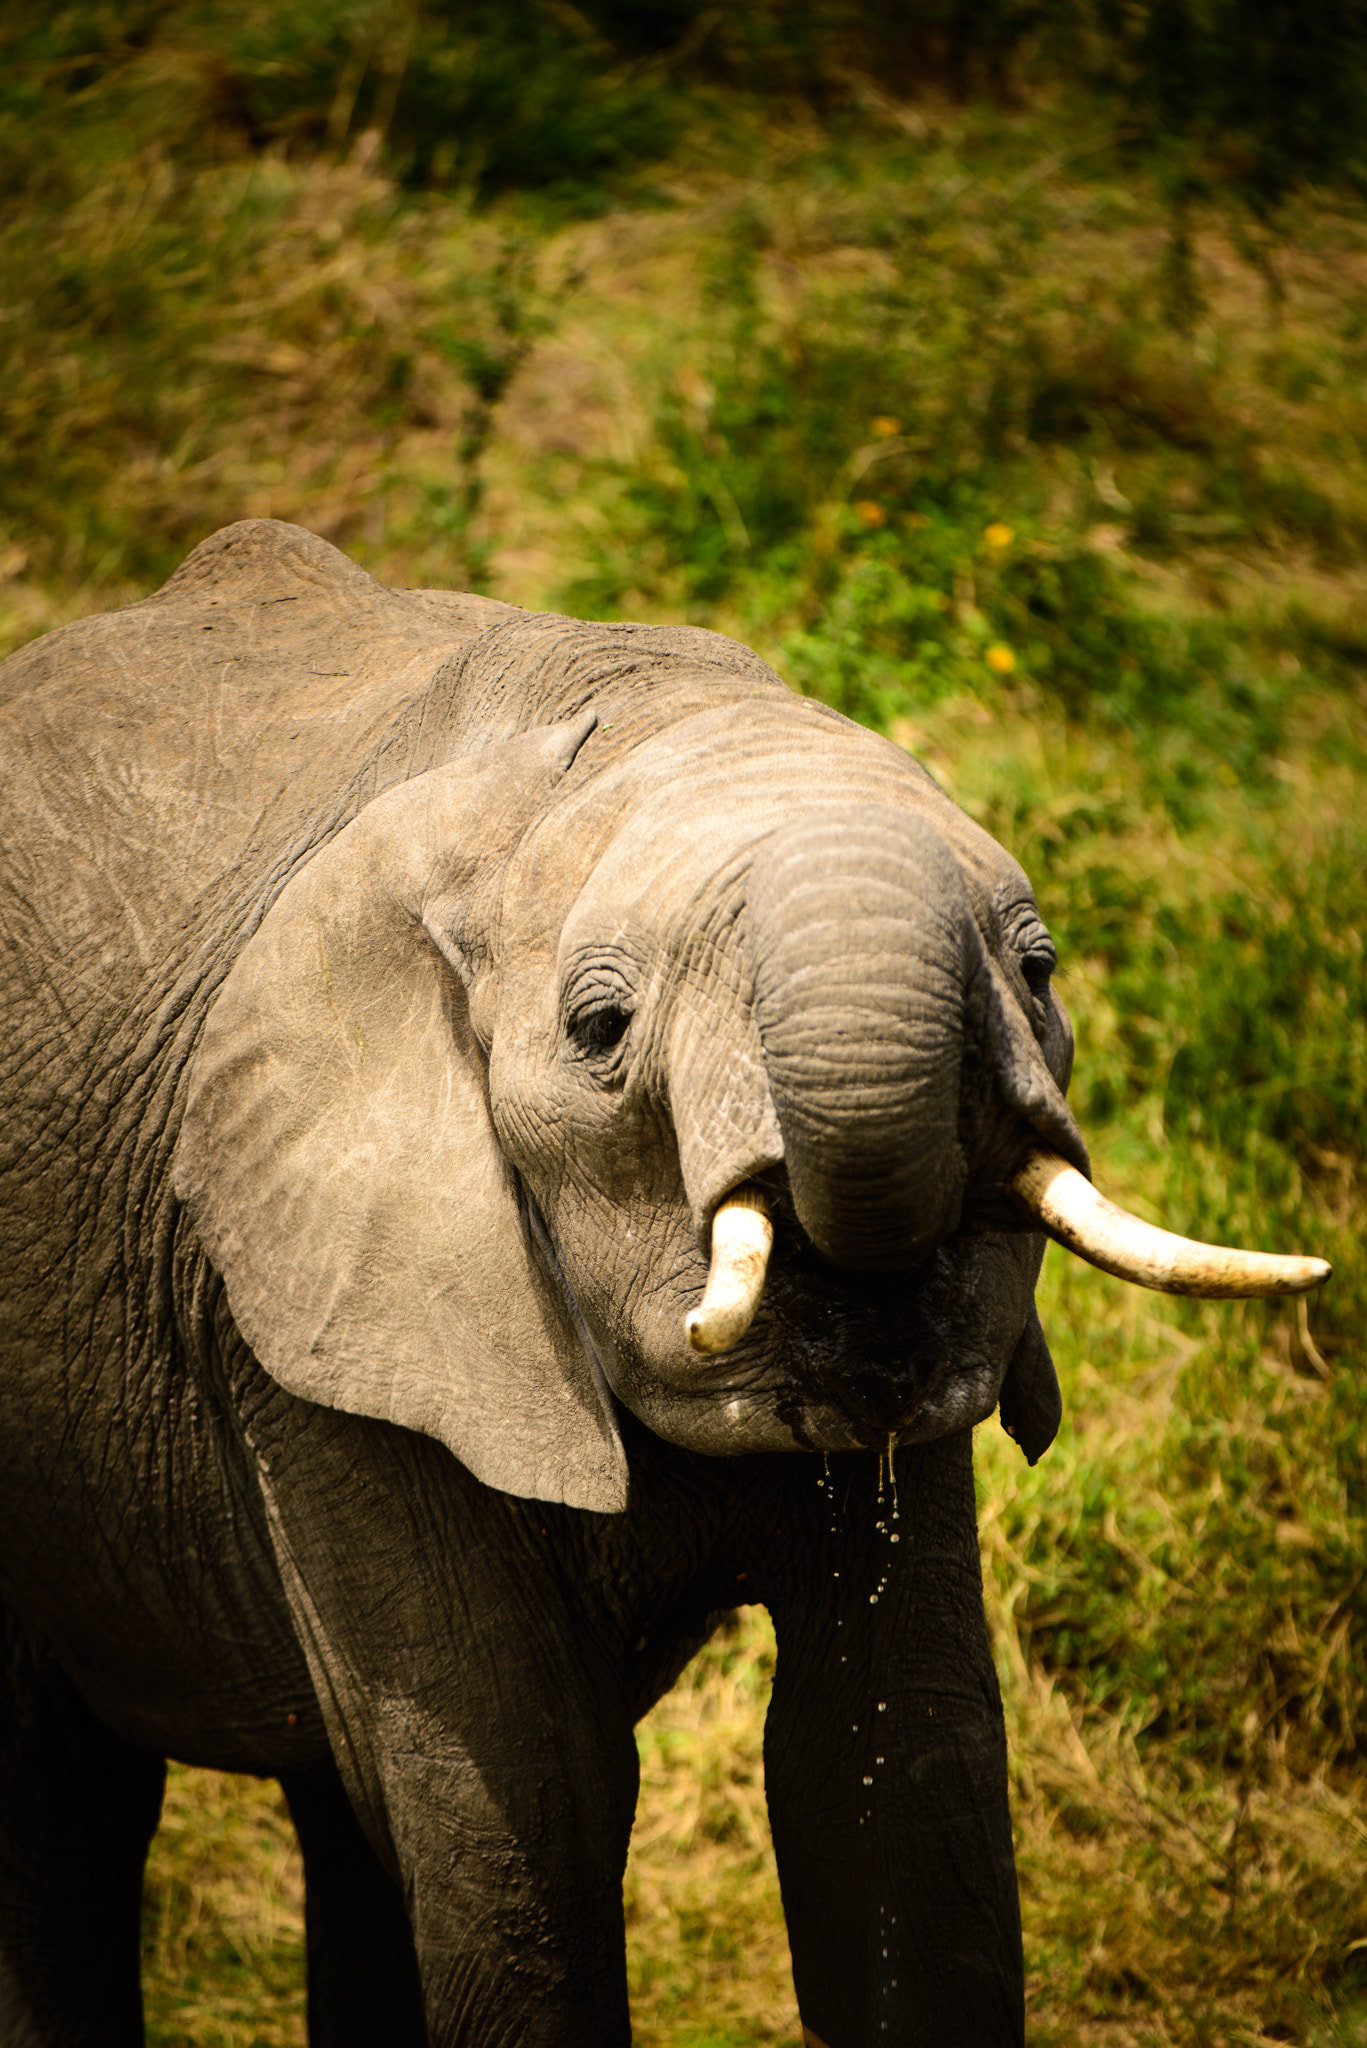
pixel 1028 427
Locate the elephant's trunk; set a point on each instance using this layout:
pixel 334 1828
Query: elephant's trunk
pixel 863 953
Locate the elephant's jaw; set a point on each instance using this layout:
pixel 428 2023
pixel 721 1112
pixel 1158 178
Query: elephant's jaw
pixel 836 1360
pixel 827 1360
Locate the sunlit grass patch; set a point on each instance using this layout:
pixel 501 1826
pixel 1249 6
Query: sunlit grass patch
pixel 707 1952
pixel 250 340
pixel 1176 1664
pixel 223 1935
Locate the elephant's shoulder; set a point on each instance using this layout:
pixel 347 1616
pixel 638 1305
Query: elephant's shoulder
pixel 260 614
pixel 182 747
pixel 268 663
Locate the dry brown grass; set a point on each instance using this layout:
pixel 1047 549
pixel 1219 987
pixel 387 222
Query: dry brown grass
pixel 223 1937
pixel 707 1951
pixel 1165 1900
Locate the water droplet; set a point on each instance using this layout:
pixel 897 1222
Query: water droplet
pixel 884 1951
pixel 878 1759
pixel 882 1706
pixel 868 1781
pixel 854 1728
pixel 873 1599
pixel 894 1538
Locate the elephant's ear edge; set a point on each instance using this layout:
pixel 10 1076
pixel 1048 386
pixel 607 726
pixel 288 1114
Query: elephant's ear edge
pixel 339 1164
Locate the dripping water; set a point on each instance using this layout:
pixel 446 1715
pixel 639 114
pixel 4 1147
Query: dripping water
pixel 826 1485
pixel 887 1516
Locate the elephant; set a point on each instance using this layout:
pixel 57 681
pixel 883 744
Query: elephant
pixel 520 1136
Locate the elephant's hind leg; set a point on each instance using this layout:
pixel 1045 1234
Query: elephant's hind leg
pixel 363 1968
pixel 78 1807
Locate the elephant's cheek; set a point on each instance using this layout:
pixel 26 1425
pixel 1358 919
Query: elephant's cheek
pixel 721 1407
pixel 632 1286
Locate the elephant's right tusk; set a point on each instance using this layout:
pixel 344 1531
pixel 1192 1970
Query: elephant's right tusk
pixel 1106 1235
pixel 742 1238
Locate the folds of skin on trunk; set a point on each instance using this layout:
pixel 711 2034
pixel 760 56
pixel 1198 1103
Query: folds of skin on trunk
pixel 902 1069
pixel 862 948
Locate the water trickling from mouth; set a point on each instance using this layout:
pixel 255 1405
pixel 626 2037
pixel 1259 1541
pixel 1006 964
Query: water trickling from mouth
pixel 876 1753
pixel 826 1485
pixel 888 1513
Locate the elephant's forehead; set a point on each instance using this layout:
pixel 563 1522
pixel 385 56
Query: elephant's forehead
pixel 641 838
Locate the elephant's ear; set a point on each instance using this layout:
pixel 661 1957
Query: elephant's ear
pixel 339 1163
pixel 1031 1403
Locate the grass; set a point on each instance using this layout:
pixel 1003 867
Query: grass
pixel 223 1932
pixel 909 406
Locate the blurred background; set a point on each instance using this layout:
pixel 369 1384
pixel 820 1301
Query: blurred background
pixel 996 370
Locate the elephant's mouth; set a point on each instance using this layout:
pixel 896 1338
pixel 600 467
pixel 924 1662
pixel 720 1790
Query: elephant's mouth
pixel 838 1360
pixel 797 1352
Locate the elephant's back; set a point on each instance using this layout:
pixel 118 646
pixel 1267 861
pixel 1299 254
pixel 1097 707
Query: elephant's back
pixel 155 762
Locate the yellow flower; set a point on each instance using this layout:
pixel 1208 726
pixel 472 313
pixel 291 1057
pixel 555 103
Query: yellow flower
pixel 1000 659
pixel 999 536
pixel 871 512
pixel 885 426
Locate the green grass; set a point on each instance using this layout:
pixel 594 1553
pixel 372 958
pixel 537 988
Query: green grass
pixel 902 403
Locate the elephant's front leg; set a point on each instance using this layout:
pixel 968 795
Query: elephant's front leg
pixel 478 1721
pixel 886 1762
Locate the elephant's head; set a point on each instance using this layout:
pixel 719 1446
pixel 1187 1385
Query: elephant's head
pixel 478 1106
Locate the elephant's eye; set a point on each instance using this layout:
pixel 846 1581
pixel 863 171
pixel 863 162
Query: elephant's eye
pixel 1037 966
pixel 600 1028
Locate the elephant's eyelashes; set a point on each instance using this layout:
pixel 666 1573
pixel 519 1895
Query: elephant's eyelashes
pixel 1037 967
pixel 600 1028
pixel 1030 942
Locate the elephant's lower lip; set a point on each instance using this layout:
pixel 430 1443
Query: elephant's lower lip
pixel 871 1351
pixel 861 1361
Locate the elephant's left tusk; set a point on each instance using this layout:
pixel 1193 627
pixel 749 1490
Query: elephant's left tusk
pixel 1106 1235
pixel 742 1238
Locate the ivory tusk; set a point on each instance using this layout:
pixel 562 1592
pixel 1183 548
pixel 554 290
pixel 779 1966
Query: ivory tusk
pixel 742 1238
pixel 1106 1235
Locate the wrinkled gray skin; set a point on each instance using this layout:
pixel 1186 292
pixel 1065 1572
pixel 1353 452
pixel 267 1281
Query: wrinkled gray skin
pixel 394 985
